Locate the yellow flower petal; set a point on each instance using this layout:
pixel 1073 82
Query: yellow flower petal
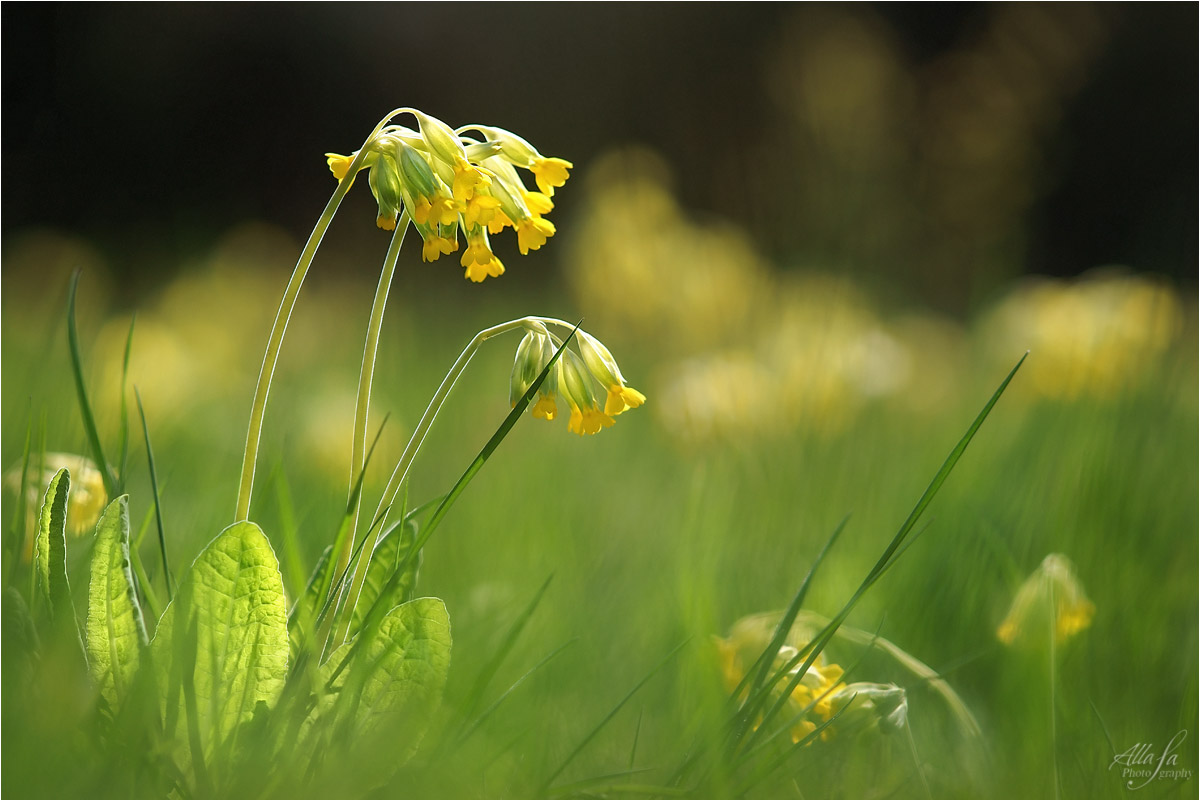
pixel 549 173
pixel 621 398
pixel 546 407
pixel 339 165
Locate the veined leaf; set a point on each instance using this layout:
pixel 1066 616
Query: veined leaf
pixel 387 557
pixel 232 601
pixel 115 629
pixel 50 551
pixel 395 680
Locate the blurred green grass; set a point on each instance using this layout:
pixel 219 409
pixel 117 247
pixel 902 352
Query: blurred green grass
pixel 653 541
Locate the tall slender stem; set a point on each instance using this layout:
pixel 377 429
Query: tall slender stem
pixel 365 375
pixel 259 408
pixel 400 473
pixel 1053 656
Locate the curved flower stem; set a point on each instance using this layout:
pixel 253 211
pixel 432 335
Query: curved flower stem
pixel 279 328
pixel 365 375
pixel 353 588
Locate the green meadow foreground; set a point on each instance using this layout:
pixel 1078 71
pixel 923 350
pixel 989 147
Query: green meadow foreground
pixel 597 615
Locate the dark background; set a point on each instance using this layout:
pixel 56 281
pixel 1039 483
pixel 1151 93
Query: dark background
pixel 150 129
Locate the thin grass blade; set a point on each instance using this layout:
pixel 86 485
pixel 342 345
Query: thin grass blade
pixel 123 432
pixel 587 739
pixel 886 559
pixel 162 538
pixel 495 704
pixel 506 646
pixel 85 407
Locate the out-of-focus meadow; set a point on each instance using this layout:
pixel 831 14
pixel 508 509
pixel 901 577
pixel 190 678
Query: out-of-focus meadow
pixel 815 323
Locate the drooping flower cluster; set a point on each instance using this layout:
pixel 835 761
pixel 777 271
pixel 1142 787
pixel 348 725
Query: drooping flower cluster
pixel 572 375
pixel 449 181
pixel 820 694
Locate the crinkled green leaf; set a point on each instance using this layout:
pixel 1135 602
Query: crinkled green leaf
pixel 232 602
pixel 50 552
pixel 396 679
pixel 115 629
pixel 385 559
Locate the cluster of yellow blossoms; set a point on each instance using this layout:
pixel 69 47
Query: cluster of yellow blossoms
pixel 820 694
pixel 447 180
pixel 571 375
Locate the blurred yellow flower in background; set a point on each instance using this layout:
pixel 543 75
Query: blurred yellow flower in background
pixel 1051 599
pixel 85 502
pixel 1096 336
pixel 820 694
pixel 640 265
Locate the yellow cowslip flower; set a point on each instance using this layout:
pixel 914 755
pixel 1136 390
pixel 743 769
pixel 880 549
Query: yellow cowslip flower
pixel 436 210
pixel 604 367
pixel 550 173
pixel 532 229
pixel 448 181
pixel 546 407
pixel 532 233
pixel 1052 598
pixel 479 209
pixel 538 203
pixel 571 376
pixel 468 179
pixel 533 354
pixel 85 502
pixel 435 246
pixel 478 258
pixel 586 415
pixel 499 222
pixel 338 165
pixel 813 693
pixel 386 186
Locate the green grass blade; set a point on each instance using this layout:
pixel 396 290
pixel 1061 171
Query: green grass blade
pixel 947 467
pixel 495 704
pixel 787 755
pixel 348 516
pixel 85 407
pixel 637 733
pixel 510 638
pixel 376 613
pixel 292 561
pixel 587 739
pixel 767 657
pixel 153 605
pixel 123 435
pixel 16 543
pixel 162 539
pixel 488 449
pixel 886 559
pixel 386 559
